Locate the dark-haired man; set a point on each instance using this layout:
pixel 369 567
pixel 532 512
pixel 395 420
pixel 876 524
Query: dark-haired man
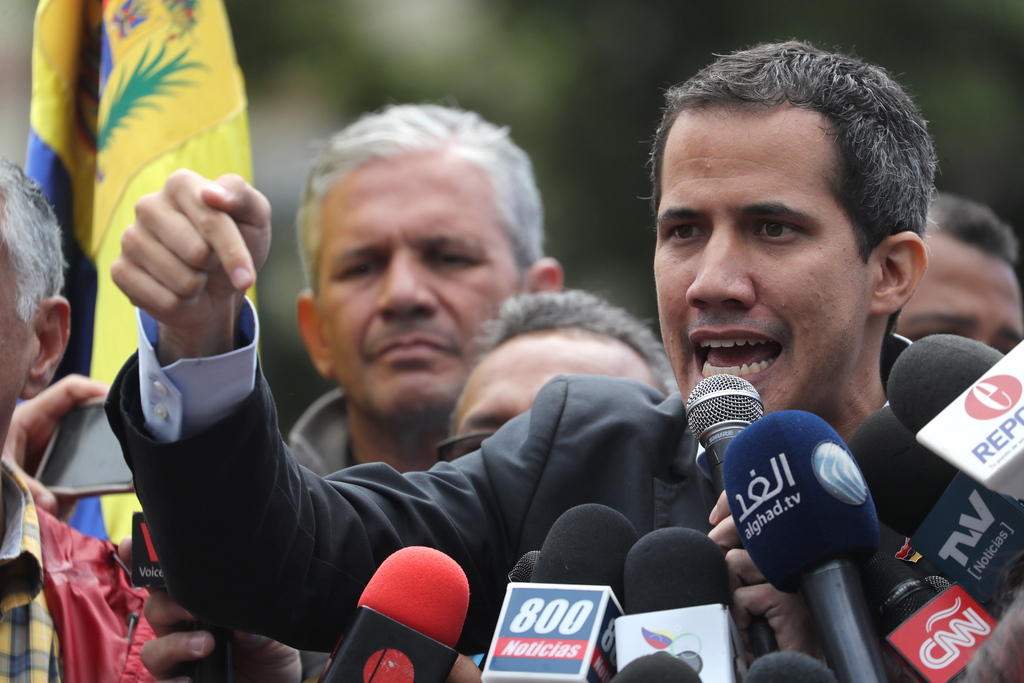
pixel 790 188
pixel 970 287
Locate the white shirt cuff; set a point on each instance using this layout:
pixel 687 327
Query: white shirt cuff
pixel 191 394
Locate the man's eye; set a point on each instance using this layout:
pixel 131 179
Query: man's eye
pixel 773 229
pixel 452 259
pixel 355 271
pixel 683 232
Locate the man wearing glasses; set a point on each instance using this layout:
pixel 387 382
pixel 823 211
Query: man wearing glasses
pixel 538 336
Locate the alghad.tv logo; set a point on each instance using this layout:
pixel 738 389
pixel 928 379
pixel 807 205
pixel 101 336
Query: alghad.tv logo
pixel 763 502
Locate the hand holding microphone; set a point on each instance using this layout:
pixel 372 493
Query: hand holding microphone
pixel 718 409
pixel 256 659
pixel 805 515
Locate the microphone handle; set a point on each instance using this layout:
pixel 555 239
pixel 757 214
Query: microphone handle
pixel 759 634
pixel 835 598
pixel 216 667
pixel 761 637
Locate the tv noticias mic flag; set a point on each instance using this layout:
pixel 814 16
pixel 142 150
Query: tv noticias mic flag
pixel 123 93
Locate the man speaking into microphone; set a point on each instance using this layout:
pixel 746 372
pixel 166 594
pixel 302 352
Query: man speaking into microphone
pixel 790 188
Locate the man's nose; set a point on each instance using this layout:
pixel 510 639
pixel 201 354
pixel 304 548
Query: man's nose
pixel 405 289
pixel 724 274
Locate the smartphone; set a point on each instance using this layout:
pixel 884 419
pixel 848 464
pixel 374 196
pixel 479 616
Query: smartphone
pixel 84 457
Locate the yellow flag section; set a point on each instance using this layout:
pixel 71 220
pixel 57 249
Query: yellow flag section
pixel 124 93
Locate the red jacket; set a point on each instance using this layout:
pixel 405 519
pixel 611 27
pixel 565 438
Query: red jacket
pixel 96 612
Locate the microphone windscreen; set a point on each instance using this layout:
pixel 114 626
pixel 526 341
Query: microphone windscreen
pixel 905 478
pixel 932 372
pixel 586 545
pixel 788 667
pixel 660 667
pixel 522 572
pixel 421 588
pixel 673 568
pixel 893 590
pixel 797 496
pixel 938 583
pixel 721 398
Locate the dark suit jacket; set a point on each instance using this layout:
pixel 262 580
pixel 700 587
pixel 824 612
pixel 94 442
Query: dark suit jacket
pixel 249 539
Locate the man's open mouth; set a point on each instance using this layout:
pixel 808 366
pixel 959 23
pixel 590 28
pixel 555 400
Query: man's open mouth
pixel 737 356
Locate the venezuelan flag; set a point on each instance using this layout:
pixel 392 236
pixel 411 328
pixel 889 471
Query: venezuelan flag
pixel 123 93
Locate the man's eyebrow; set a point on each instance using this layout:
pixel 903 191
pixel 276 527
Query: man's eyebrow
pixel 759 209
pixel 365 251
pixel 774 209
pixel 442 241
pixel 677 214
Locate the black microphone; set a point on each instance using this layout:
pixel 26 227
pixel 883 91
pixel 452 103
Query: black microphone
pixel 216 667
pixel 677 596
pixel 523 569
pixel 895 591
pixel 905 478
pixel 789 667
pixel 561 626
pixel 659 667
pixel 971 412
pixel 717 409
pixel 923 635
pixel 408 621
pixel 932 372
pixel 805 515
pixel 963 528
pixel 587 544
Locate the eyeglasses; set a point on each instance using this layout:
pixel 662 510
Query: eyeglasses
pixel 458 446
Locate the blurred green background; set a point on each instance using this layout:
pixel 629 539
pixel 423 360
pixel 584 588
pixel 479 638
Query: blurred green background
pixel 579 84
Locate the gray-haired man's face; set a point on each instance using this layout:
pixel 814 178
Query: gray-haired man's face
pixel 413 259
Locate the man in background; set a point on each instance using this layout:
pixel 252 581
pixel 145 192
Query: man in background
pixel 970 287
pixel 539 336
pixel 416 222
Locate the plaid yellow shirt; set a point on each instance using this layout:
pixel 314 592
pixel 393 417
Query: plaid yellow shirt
pixel 29 650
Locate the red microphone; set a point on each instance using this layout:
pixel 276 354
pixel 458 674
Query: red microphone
pixel 408 621
pixel 940 638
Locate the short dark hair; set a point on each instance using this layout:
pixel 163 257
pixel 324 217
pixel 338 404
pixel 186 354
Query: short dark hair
pixel 887 159
pixel 975 224
pixel 575 309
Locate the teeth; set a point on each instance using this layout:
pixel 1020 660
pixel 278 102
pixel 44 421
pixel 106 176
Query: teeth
pixel 738 370
pixel 729 343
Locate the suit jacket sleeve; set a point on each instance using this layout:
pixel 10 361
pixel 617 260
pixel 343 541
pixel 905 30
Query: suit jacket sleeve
pixel 247 538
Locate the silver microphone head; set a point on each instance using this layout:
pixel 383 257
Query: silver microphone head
pixel 721 399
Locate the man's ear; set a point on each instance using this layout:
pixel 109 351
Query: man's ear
pixel 898 261
pixel 51 325
pixel 310 328
pixel 545 275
